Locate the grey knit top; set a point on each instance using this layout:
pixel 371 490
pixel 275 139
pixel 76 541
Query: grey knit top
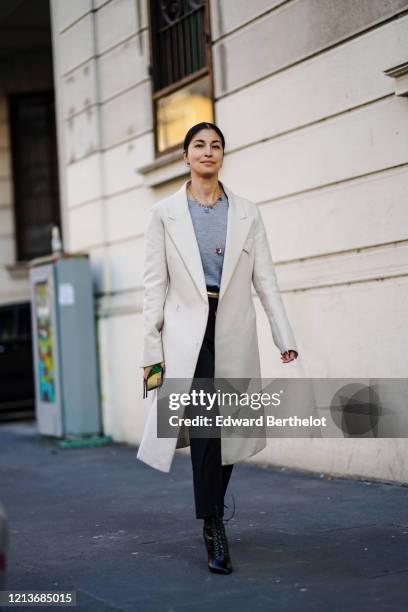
pixel 210 226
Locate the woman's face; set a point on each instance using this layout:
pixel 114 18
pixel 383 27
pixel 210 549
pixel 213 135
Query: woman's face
pixel 205 153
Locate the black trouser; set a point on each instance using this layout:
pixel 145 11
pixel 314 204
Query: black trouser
pixel 210 477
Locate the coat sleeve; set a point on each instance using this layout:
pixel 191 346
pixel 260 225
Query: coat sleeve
pixel 155 281
pixel 266 286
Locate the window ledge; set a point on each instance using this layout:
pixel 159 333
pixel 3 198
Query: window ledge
pixel 19 270
pixel 164 169
pixel 400 74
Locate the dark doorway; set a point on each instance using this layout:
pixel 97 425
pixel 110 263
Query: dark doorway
pixel 17 393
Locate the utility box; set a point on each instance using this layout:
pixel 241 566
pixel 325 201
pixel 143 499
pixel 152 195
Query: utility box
pixel 64 346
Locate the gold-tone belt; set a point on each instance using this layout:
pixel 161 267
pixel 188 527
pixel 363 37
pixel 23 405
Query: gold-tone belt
pixel 214 294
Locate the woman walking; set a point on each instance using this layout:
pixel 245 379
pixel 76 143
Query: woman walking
pixel 204 247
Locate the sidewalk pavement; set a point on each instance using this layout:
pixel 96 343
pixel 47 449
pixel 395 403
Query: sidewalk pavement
pixel 124 537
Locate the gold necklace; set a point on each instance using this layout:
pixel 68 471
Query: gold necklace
pixel 206 204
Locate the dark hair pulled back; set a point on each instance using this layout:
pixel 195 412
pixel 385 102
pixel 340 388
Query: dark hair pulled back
pixel 204 125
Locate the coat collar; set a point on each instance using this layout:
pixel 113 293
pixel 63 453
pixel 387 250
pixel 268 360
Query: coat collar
pixel 181 230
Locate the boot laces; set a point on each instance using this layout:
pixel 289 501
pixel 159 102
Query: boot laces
pixel 215 525
pixel 219 537
pixel 233 511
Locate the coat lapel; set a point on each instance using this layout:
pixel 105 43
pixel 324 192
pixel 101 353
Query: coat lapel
pixel 181 229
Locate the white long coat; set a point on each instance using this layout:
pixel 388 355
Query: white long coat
pixel 175 310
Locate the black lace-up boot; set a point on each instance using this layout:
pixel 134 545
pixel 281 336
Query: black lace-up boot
pixel 217 545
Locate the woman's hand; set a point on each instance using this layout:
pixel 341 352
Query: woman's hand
pixel 148 368
pixel 288 356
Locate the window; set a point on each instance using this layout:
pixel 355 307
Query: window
pixel 35 172
pixel 181 69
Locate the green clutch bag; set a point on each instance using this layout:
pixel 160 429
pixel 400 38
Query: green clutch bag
pixel 154 379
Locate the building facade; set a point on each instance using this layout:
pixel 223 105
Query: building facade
pixel 311 96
